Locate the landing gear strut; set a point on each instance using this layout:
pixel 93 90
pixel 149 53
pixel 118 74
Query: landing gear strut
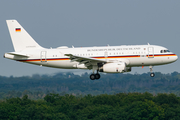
pixel 95 76
pixel 151 70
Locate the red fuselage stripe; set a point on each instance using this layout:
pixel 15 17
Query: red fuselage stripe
pixel 132 56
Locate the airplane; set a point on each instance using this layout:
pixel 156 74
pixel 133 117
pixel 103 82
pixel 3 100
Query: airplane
pixel 107 59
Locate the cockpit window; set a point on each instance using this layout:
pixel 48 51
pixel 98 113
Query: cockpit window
pixel 164 51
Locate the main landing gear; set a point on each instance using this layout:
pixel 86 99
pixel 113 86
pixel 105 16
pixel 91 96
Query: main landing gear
pixel 95 76
pixel 151 70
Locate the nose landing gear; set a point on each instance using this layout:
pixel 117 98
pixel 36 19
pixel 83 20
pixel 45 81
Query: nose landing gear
pixel 151 70
pixel 152 74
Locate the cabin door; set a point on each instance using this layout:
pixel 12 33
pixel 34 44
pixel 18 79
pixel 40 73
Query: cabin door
pixel 150 52
pixel 43 56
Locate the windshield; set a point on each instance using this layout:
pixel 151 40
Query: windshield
pixel 164 51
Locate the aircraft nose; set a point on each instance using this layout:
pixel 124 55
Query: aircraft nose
pixel 175 58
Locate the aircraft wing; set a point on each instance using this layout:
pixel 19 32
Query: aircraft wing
pixel 85 60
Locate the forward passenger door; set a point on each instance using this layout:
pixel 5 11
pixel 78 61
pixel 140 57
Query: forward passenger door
pixel 150 52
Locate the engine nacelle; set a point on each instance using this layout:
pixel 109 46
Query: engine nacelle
pixel 80 66
pixel 119 67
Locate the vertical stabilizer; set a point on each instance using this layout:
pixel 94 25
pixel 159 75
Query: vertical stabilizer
pixel 20 38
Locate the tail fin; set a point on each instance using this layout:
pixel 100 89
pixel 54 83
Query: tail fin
pixel 20 38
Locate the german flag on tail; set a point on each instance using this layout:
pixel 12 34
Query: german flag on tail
pixel 18 29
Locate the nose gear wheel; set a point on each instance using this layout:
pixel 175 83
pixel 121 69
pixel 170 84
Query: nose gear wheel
pixel 151 70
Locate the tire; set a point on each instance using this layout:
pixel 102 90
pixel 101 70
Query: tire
pixel 152 74
pixel 97 76
pixel 92 77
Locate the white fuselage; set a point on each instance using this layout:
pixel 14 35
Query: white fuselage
pixel 133 56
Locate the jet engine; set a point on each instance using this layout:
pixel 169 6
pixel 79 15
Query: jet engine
pixel 119 67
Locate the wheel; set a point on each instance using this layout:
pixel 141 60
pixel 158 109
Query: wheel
pixel 97 76
pixel 152 74
pixel 92 77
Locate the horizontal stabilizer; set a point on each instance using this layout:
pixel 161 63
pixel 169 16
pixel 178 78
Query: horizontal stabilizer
pixel 18 54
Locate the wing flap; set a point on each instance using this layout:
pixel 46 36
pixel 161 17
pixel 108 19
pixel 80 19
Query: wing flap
pixel 84 60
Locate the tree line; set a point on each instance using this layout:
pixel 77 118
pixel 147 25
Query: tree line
pixel 121 106
pixel 38 86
